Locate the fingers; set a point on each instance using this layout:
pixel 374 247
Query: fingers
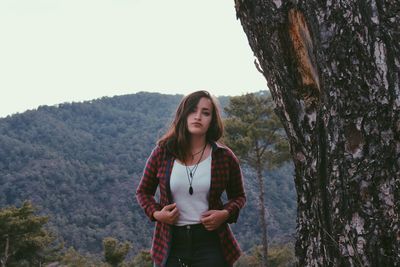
pixel 172 213
pixel 170 207
pixel 210 226
pixel 212 219
pixel 207 213
pixel 208 216
pixel 207 219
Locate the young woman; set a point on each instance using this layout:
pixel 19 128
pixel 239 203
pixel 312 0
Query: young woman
pixel 192 171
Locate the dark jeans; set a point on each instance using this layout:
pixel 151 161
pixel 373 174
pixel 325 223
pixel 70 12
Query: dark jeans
pixel 194 246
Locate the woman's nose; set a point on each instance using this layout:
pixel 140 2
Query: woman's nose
pixel 197 115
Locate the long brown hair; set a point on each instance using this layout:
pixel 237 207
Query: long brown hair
pixel 177 138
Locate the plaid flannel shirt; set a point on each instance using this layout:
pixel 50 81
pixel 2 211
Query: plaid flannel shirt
pixel 225 176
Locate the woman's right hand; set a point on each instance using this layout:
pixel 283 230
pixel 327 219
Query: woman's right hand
pixel 169 214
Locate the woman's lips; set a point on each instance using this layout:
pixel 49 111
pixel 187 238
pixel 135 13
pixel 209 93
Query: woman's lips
pixel 196 124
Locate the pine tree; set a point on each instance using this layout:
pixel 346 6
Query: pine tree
pixel 114 251
pixel 254 132
pixel 23 239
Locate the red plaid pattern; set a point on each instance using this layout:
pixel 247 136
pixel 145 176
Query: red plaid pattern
pixel 225 176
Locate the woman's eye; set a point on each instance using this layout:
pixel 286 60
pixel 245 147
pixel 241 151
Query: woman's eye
pixel 206 113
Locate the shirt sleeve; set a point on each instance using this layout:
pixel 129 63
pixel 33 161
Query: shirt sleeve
pixel 234 190
pixel 148 185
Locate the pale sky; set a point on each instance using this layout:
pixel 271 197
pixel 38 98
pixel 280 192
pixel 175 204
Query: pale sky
pixel 57 51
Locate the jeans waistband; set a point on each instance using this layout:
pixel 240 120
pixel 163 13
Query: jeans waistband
pixel 192 233
pixel 189 227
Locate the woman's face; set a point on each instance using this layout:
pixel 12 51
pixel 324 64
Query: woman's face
pixel 199 119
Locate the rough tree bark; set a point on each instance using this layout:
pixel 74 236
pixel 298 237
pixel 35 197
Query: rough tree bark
pixel 333 68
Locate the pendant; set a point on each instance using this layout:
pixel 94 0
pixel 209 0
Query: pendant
pixel 191 190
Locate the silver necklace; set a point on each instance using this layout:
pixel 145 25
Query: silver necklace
pixel 190 172
pixel 196 154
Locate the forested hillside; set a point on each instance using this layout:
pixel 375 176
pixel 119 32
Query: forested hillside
pixel 80 164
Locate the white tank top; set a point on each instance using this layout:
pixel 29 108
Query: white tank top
pixel 191 206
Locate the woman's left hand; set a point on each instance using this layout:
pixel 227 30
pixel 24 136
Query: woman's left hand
pixel 212 219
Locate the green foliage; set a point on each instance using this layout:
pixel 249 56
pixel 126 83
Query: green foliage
pixel 114 251
pixel 281 256
pixel 254 132
pixel 142 259
pixel 23 239
pixel 72 258
pixel 278 256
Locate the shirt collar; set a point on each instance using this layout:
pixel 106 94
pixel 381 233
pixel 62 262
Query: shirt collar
pixel 216 145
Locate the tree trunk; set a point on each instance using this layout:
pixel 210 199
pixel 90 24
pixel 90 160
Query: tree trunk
pixel 5 258
pixel 333 68
pixel 263 215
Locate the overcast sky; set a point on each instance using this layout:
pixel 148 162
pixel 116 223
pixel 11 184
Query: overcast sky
pixel 56 51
